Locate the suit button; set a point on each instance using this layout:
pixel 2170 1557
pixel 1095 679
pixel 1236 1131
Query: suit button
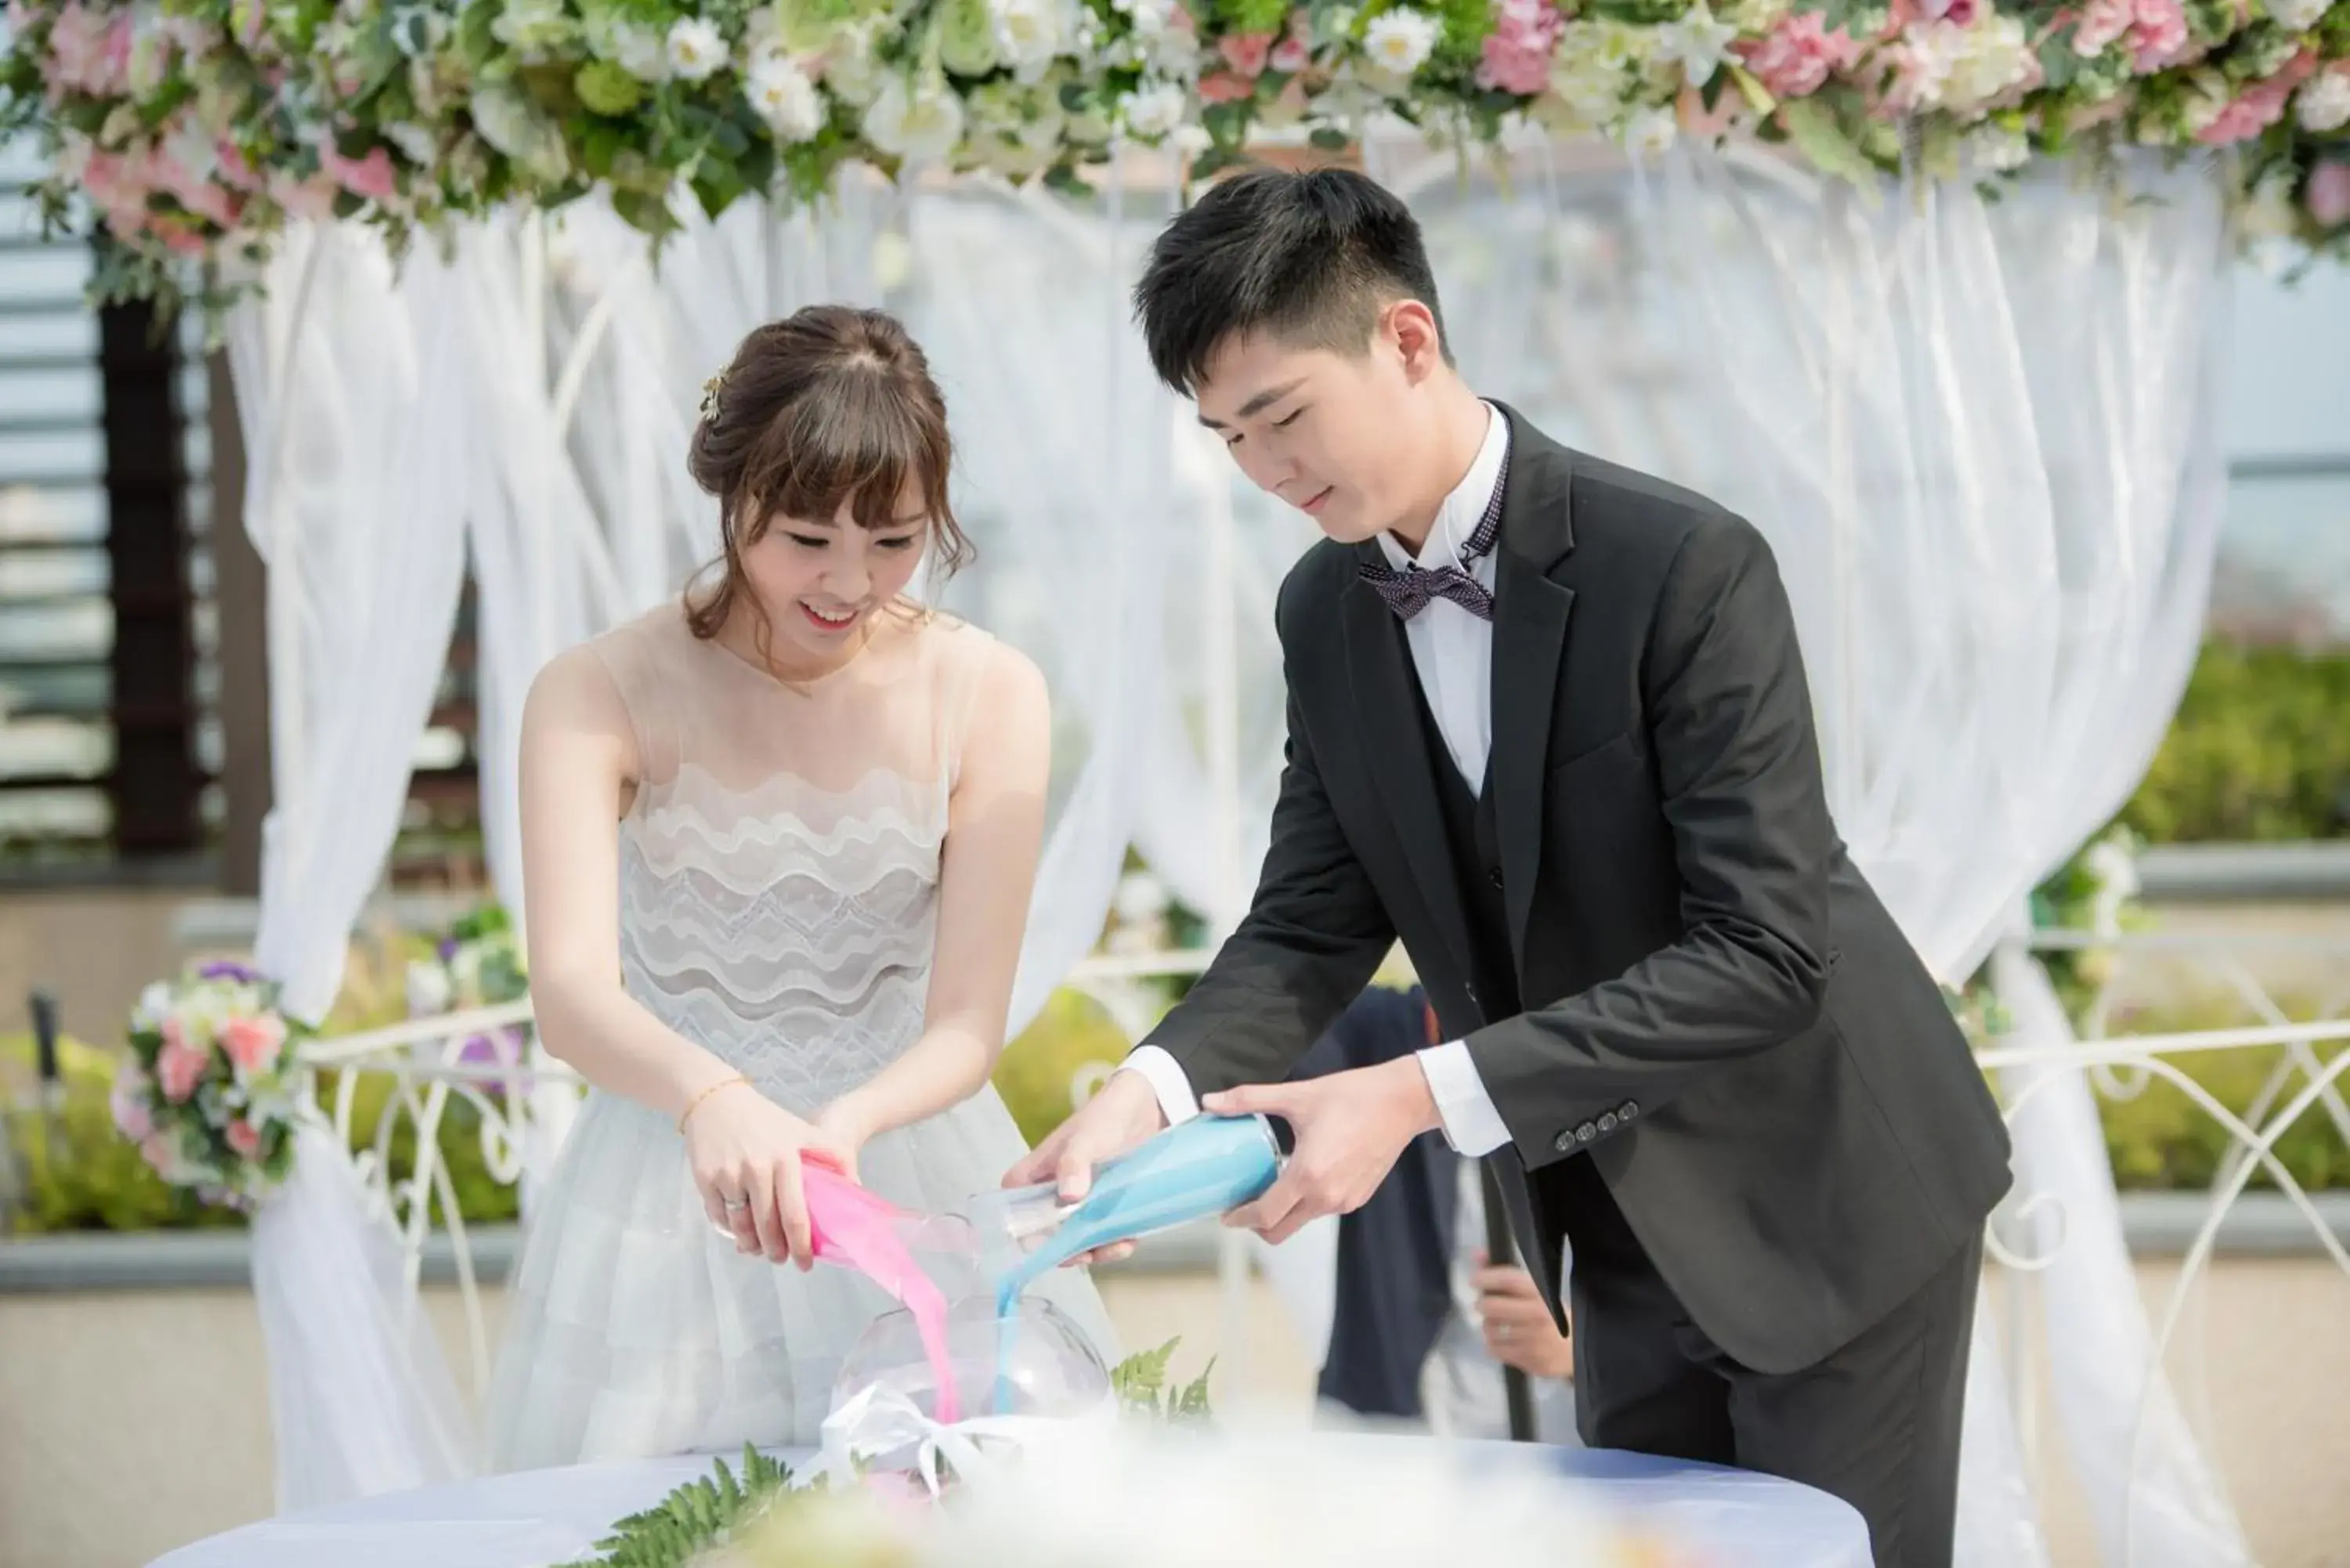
pixel 1564 1143
pixel 1586 1133
pixel 1496 876
pixel 1629 1109
pixel 1607 1121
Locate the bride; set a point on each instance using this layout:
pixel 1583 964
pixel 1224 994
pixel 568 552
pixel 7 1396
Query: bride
pixel 801 935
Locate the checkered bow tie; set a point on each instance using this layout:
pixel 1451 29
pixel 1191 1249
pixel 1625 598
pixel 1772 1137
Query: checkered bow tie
pixel 1408 591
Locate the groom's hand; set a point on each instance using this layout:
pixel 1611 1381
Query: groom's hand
pixel 1350 1128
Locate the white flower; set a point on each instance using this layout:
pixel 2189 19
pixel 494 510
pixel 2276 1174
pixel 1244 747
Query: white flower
pixel 1995 150
pixel 785 98
pixel 1153 110
pixel 155 1001
pixel 2297 15
pixel 1648 133
pixel 1018 128
pixel 763 34
pixel 1029 33
pixel 1697 42
pixel 1398 42
pixel 1588 87
pixel 2324 101
pixel 640 51
pixel 696 48
pixel 429 990
pixel 532 28
pixel 850 69
pixel 914 124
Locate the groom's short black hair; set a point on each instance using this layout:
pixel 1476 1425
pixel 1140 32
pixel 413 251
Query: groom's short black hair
pixel 1313 257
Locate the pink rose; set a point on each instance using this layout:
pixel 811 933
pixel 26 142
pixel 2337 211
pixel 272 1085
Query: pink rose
pixel 2257 106
pixel 1799 54
pixel 180 1068
pixel 1291 55
pixel 160 1156
pixel 2327 196
pixel 1223 86
pixel 245 1138
pixel 253 1043
pixel 1246 52
pixel 2154 31
pixel 129 1101
pixel 370 177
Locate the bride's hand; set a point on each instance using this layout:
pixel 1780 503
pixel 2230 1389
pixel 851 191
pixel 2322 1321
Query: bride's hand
pixel 744 1150
pixel 844 1128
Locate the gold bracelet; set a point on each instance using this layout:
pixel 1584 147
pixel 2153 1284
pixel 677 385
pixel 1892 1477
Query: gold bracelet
pixel 705 1093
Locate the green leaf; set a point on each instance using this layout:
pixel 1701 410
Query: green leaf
pixel 1329 139
pixel 1813 127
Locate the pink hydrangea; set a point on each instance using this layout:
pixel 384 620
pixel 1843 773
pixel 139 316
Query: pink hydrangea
pixel 1246 52
pixel 1798 56
pixel 2327 195
pixel 1517 52
pixel 2259 106
pixel 253 1043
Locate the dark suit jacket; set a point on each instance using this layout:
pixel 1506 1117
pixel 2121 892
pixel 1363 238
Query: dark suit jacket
pixel 1718 1012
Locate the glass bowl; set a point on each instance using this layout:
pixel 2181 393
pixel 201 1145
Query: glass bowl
pixel 1034 1363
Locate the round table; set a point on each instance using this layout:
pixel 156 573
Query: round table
pixel 1735 1519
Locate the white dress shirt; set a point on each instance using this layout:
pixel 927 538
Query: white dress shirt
pixel 1452 651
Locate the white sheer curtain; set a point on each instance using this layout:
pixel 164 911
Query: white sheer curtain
pixel 350 392
pixel 1980 437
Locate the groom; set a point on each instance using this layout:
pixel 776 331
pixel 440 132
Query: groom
pixel 1548 726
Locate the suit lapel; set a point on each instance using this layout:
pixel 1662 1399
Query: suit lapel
pixel 1529 618
pixel 1395 744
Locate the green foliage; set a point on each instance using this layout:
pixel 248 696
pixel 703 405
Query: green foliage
pixel 79 1173
pixel 2260 749
pixel 1139 1382
pixel 704 1512
pixel 1036 1071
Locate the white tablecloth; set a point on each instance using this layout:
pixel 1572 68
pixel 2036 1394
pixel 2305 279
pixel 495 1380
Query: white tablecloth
pixel 1733 1519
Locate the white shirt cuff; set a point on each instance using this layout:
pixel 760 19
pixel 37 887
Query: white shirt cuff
pixel 1471 1125
pixel 1166 1077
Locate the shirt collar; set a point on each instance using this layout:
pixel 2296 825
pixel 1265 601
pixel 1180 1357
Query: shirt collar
pixel 1463 509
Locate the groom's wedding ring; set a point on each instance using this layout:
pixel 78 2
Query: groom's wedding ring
pixel 733 1205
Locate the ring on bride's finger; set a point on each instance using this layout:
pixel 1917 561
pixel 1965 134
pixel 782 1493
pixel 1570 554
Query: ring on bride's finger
pixel 1501 1331
pixel 733 1205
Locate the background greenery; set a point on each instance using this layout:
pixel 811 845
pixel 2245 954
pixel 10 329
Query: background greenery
pixel 2260 749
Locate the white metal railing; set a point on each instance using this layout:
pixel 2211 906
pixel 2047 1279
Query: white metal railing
pixel 2122 1066
pixel 422 1058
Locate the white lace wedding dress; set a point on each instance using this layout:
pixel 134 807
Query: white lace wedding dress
pixel 779 870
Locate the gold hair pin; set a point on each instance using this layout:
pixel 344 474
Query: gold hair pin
pixel 710 393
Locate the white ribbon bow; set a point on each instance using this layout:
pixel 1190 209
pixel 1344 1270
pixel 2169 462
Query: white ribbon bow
pixel 879 1420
